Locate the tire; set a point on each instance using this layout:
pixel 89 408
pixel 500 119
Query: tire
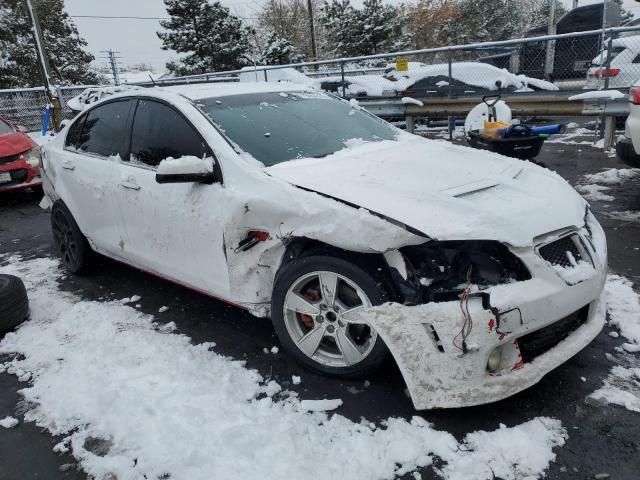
pixel 71 244
pixel 323 338
pixel 14 304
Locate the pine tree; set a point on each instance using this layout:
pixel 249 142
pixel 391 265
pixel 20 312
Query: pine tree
pixel 373 29
pixel 488 20
pixel 19 67
pixel 340 22
pixel 279 51
pixel 540 15
pixel 211 37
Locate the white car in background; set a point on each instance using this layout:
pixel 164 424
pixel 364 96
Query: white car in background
pixel 628 146
pixel 624 68
pixel 477 272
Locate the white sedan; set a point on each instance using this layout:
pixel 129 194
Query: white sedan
pixel 478 273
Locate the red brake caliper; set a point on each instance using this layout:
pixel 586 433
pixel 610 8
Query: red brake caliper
pixel 313 295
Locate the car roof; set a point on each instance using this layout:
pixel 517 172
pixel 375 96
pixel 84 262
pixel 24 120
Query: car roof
pixel 211 90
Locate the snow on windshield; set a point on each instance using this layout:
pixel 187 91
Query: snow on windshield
pixel 274 128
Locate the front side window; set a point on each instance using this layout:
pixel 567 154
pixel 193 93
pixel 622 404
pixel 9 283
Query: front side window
pixel 276 127
pixel 103 128
pixel 160 132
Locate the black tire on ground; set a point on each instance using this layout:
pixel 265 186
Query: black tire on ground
pixel 14 304
pixel 297 269
pixel 71 244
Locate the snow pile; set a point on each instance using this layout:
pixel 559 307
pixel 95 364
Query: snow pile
pixel 8 422
pixel 611 176
pixel 576 273
pixel 623 306
pixel 185 165
pixel 622 387
pixel 598 94
pixel 626 216
pixel 146 404
pixel 593 192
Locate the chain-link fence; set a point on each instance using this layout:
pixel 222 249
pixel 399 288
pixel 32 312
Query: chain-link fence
pixel 575 61
pixel 26 107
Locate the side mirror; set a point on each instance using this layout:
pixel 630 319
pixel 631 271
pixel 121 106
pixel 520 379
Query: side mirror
pixel 186 170
pixel 22 129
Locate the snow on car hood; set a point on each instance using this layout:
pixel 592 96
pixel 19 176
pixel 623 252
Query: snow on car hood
pixel 445 191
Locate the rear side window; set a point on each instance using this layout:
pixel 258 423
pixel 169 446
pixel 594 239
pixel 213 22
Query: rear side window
pixel 103 127
pixel 160 132
pixel 73 135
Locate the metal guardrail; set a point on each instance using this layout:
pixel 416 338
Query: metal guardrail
pixel 526 105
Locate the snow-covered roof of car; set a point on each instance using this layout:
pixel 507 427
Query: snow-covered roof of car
pixel 209 90
pixel 472 73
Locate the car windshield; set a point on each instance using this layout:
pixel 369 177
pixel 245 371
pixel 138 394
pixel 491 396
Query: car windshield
pixel 276 127
pixel 5 127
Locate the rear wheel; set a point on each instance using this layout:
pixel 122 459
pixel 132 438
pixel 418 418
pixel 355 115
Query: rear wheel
pixel 71 244
pixel 316 301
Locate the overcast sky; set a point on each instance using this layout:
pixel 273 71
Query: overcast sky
pixel 136 40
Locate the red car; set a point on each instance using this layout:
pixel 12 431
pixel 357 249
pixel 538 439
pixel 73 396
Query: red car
pixel 19 159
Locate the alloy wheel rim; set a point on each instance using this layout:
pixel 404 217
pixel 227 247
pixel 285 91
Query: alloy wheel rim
pixel 321 316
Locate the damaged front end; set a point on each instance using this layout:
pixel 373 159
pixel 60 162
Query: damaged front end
pixel 478 321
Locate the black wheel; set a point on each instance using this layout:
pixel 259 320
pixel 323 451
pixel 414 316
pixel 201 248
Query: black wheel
pixel 14 304
pixel 71 244
pixel 314 303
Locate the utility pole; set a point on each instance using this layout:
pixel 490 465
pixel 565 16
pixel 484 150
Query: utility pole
pixel 314 50
pixel 551 44
pixel 113 64
pixel 43 61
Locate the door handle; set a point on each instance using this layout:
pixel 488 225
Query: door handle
pixel 130 185
pixel 67 165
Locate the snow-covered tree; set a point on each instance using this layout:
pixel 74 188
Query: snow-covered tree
pixel 374 28
pixel 19 67
pixel 211 38
pixel 279 51
pixel 539 16
pixel 340 22
pixel 290 20
pixel 488 20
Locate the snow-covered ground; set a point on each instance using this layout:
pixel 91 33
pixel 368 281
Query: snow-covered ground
pixel 622 386
pixel 593 188
pixel 135 400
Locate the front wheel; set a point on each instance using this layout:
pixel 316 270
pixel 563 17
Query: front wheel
pixel 315 304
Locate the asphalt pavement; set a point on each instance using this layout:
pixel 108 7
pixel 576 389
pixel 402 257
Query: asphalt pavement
pixel 602 438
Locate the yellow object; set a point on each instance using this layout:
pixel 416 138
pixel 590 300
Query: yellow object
pixel 492 129
pixel 488 124
pixel 402 64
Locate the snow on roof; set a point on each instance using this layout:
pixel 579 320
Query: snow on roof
pixel 472 73
pixel 208 90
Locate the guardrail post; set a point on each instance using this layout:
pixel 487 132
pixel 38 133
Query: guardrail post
pixel 342 79
pixel 410 123
pixel 265 75
pixel 451 121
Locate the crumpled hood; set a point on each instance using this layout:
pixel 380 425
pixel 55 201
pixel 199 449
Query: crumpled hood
pixel 14 143
pixel 445 191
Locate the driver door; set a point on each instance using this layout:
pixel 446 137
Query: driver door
pixel 175 229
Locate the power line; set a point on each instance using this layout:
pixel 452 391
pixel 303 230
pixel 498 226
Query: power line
pixel 129 17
